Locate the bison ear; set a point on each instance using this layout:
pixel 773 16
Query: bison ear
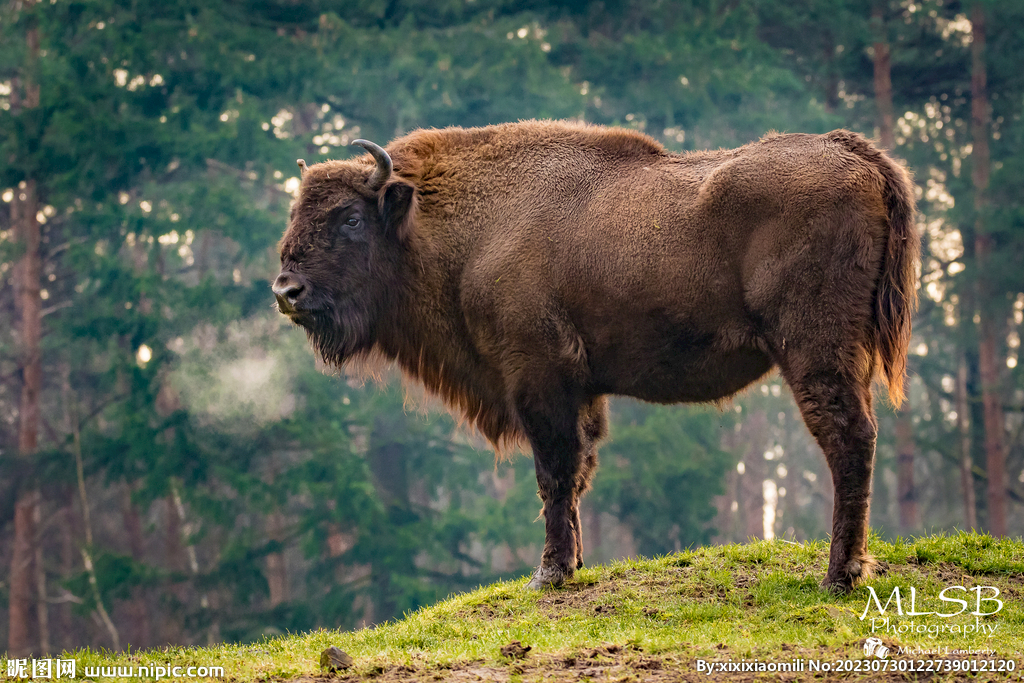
pixel 398 209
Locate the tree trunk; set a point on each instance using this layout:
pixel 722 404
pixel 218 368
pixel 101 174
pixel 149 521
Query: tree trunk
pixel 186 531
pixel 24 207
pixel 26 510
pixel 754 473
pixel 174 562
pixel 63 624
pixel 73 426
pixel 277 566
pixel 42 602
pixel 19 637
pixel 138 613
pixel 963 423
pixel 592 532
pixel 995 457
pixel 276 563
pixel 905 492
pixel 725 516
pixel 883 80
pixel 790 483
pixel 725 519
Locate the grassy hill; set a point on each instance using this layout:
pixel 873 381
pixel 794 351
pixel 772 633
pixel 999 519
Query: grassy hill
pixel 658 619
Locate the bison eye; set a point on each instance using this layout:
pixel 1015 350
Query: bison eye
pixel 353 228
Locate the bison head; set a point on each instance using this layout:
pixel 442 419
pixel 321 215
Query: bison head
pixel 340 255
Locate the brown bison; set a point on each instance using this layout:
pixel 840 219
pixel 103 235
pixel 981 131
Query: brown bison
pixel 524 271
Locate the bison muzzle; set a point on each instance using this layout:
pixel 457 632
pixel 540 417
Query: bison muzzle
pixel 522 272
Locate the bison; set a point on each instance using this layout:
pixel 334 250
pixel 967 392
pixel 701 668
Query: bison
pixel 524 271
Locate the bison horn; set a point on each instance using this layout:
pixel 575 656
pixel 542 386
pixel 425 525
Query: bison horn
pixel 302 166
pixel 384 165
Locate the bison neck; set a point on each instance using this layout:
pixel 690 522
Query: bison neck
pixel 426 335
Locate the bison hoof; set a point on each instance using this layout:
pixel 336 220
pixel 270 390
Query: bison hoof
pixel 839 585
pixel 546 577
pixel 842 581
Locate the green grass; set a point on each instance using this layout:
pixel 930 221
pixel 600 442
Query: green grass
pixel 652 619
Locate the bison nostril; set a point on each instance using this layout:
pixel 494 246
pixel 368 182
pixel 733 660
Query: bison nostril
pixel 288 288
pixel 293 293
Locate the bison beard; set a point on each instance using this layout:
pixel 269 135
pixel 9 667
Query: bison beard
pixel 336 338
pixel 525 271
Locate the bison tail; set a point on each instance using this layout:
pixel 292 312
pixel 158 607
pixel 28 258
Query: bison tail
pixel 896 298
pixel 896 295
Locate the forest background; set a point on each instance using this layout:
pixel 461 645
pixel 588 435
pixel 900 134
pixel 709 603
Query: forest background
pixel 175 469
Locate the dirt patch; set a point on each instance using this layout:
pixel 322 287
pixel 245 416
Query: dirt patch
pixel 574 596
pixel 515 650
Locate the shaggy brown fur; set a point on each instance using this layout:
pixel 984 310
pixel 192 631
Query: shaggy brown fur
pixel 524 271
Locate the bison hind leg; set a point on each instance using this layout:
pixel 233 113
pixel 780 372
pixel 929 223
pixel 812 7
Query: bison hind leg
pixel 832 387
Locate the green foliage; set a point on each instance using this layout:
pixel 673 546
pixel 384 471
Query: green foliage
pixel 116 576
pixel 659 473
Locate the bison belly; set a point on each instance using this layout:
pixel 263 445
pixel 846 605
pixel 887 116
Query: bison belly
pixel 657 360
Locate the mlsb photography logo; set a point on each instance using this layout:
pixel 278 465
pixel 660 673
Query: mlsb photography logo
pixel 874 647
pixel 950 604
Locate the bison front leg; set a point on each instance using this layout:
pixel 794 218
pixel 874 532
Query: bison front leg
pixel 551 420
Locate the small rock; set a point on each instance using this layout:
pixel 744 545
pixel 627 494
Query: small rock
pixel 516 650
pixel 334 659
